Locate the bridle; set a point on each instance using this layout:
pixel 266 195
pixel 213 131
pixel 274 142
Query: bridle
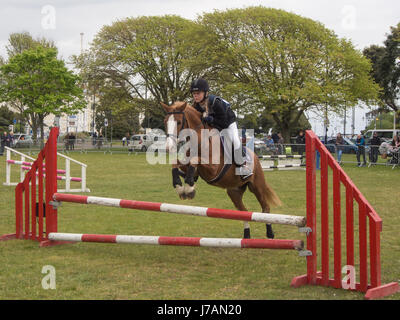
pixel 184 122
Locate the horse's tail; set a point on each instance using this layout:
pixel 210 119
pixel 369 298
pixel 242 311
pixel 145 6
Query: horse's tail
pixel 270 195
pixel 272 198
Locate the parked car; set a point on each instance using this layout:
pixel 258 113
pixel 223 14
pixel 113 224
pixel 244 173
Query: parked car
pixel 22 141
pixel 349 146
pixel 159 143
pixel 385 134
pixel 141 142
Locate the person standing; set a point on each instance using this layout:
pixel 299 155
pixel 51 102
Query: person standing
pixel 281 143
pixel 3 141
pixel 301 141
pixel 339 147
pixel 11 139
pixel 360 143
pixel 375 142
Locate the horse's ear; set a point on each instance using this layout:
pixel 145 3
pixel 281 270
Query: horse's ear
pixel 166 107
pixel 182 107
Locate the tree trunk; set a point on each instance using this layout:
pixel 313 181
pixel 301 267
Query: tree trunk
pixel 41 125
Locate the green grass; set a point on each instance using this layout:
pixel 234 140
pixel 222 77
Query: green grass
pixel 107 271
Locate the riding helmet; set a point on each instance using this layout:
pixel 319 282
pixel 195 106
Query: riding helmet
pixel 199 85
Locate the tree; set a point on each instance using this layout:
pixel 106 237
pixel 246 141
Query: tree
pixel 119 108
pixel 42 84
pixel 19 42
pixel 285 64
pixel 150 57
pixel 6 118
pixel 386 68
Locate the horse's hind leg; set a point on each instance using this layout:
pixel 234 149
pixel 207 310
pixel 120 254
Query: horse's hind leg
pixel 236 195
pixel 260 192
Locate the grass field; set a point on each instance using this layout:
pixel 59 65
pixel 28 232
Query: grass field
pixel 107 271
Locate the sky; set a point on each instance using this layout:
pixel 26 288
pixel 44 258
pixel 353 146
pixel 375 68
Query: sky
pixel 364 22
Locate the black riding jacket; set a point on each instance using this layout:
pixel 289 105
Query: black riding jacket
pixel 222 113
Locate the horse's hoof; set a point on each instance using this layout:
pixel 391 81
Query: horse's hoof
pixel 270 233
pixel 180 190
pixel 191 195
pixel 190 192
pixel 246 233
pixel 182 196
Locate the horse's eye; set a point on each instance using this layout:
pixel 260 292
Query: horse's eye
pixel 179 122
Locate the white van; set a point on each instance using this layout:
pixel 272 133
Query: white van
pixel 384 134
pixel 141 142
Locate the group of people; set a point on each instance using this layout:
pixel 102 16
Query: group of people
pixel 275 143
pixel 375 142
pixel 6 141
pixel 69 141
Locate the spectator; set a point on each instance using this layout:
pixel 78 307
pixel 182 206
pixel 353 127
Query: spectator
pixel 275 137
pixel 11 142
pixel 72 141
pixel 269 141
pixel 100 141
pixel 395 144
pixel 339 147
pixel 123 141
pixel 301 141
pixel 375 142
pixel 94 138
pixel 281 142
pixel 66 142
pixel 360 143
pixel 3 142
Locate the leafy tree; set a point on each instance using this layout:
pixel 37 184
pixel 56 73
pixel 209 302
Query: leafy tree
pixel 274 61
pixel 384 120
pixel 150 57
pixel 119 108
pixel 38 81
pixel 6 118
pixel 19 42
pixel 386 68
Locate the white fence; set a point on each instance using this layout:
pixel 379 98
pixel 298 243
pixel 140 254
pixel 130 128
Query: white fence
pixel 25 165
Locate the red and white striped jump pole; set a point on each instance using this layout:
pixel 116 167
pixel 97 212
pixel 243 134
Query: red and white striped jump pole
pixel 182 209
pixel 181 241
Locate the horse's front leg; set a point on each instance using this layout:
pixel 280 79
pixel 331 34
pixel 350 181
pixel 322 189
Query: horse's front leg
pixel 189 188
pixel 177 183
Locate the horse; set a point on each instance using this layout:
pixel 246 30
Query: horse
pixel 181 115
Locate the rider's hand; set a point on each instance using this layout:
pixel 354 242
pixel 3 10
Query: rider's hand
pixel 208 119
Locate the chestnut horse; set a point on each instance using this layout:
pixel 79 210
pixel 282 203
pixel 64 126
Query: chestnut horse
pixel 182 116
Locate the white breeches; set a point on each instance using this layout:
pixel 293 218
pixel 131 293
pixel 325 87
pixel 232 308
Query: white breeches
pixel 233 134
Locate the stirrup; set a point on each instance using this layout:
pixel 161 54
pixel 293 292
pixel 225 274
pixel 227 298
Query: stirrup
pixel 244 171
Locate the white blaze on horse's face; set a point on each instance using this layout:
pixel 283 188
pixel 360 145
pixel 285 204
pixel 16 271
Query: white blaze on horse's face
pixel 171 134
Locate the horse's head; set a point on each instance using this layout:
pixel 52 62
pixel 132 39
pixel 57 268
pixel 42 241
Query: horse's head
pixel 174 122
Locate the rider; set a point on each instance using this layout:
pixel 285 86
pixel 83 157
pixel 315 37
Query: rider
pixel 220 116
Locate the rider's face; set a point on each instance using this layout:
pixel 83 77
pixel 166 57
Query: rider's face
pixel 198 96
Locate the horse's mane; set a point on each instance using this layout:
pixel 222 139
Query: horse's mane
pixel 189 110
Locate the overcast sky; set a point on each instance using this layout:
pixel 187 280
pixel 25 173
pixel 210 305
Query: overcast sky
pixel 364 22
